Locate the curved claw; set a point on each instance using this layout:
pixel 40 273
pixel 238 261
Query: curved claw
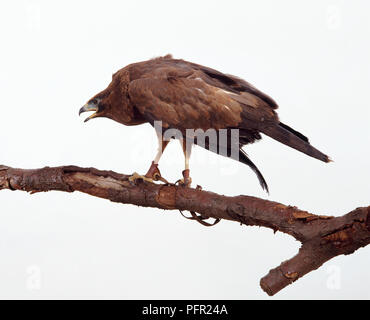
pixel 135 176
pixel 186 180
pixel 154 173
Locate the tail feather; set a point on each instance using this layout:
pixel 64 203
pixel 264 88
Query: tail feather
pixel 294 139
pixel 298 134
pixel 243 158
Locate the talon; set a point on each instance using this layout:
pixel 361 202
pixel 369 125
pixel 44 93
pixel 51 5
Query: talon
pixel 157 176
pixel 135 176
pixel 186 181
pixel 154 173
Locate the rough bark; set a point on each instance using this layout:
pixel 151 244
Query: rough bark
pixel 322 237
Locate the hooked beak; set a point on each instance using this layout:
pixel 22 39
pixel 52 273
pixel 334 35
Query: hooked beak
pixel 89 107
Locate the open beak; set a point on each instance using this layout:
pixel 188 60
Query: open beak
pixel 89 107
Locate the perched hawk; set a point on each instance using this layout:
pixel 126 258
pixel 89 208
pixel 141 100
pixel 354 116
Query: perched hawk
pixel 181 95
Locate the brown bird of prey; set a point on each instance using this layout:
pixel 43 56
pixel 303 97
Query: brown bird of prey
pixel 182 95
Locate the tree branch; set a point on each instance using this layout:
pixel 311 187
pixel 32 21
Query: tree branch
pixel 322 237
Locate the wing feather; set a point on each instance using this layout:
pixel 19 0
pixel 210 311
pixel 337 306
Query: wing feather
pixel 233 84
pixel 184 103
pixel 185 95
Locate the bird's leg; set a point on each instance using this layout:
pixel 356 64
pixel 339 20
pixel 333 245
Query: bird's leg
pixel 186 182
pixel 153 173
pixel 186 147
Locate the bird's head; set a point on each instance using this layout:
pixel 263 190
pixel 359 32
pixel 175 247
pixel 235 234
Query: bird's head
pixel 112 102
pixel 93 105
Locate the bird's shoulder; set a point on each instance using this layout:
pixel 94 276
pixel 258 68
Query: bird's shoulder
pixel 173 91
pixel 159 68
pixel 179 91
pixel 170 69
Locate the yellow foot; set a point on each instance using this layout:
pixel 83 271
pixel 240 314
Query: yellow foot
pixel 186 182
pixel 135 176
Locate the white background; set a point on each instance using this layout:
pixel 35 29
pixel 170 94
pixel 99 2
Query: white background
pixel 312 57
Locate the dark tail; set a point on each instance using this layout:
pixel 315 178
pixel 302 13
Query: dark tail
pixel 294 139
pixel 243 158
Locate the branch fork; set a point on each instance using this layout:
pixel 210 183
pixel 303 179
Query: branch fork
pixel 322 237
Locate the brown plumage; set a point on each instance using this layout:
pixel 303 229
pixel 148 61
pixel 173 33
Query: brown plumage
pixel 184 95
